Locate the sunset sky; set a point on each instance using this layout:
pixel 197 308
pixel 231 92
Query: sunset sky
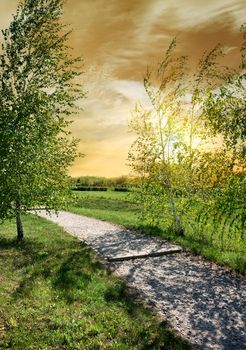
pixel 118 39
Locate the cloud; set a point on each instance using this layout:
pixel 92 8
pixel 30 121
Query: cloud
pixel 7 8
pixel 106 114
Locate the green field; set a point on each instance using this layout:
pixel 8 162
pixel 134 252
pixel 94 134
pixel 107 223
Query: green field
pixel 216 237
pixel 55 294
pixel 116 207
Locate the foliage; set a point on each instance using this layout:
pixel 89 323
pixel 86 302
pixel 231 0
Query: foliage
pixel 38 90
pixel 212 169
pixel 190 142
pixel 59 296
pixel 168 135
pixel 225 107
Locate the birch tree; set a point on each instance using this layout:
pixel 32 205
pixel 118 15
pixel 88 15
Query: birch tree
pixel 39 87
pixel 169 135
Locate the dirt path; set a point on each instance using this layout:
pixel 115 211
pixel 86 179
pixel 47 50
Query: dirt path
pixel 205 303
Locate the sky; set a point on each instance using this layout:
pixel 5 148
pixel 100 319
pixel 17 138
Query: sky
pixel 118 39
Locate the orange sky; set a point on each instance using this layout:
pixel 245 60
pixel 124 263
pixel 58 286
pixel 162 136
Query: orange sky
pixel 118 39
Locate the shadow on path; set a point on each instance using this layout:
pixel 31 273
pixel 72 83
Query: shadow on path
pixel 204 302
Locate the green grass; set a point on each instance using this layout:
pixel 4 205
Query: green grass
pixel 54 294
pixel 116 207
pixel 203 236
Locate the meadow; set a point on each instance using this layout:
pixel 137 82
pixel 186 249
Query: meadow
pixel 213 235
pixel 55 294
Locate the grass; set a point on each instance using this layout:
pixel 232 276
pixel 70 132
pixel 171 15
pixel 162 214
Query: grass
pixel 202 236
pixel 55 294
pixel 116 207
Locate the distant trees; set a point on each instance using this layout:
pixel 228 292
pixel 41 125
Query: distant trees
pixel 190 137
pixel 99 181
pixel 38 90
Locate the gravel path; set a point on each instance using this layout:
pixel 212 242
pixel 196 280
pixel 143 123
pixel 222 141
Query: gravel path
pixel 204 302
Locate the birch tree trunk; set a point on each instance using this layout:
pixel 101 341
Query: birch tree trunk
pixel 177 222
pixel 20 232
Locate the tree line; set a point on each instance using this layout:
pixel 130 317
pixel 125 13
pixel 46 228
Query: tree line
pixel 101 182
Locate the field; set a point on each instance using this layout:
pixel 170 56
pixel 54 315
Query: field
pixel 216 237
pixel 116 207
pixel 55 294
